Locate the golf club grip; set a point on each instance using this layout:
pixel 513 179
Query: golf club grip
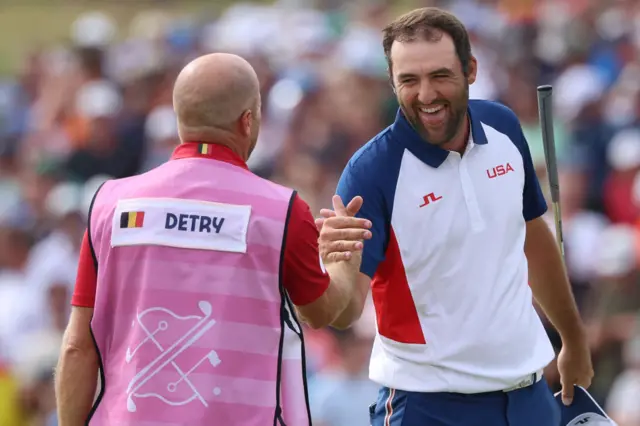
pixel 545 111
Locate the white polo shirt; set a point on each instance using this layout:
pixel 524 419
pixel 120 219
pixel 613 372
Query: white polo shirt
pixel 450 282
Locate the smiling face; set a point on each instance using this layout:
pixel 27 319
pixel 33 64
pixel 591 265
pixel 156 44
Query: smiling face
pixel 431 87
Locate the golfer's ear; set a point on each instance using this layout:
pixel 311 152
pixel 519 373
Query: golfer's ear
pixel 472 70
pixel 390 79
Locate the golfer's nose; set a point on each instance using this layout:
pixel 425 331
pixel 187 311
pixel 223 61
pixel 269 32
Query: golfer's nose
pixel 427 93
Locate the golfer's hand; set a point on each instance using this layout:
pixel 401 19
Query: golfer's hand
pixel 574 366
pixel 342 234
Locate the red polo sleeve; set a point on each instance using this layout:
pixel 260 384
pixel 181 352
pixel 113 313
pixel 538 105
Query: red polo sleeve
pixel 84 294
pixel 303 276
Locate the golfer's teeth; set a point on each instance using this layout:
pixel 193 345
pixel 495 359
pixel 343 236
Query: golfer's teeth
pixel 431 110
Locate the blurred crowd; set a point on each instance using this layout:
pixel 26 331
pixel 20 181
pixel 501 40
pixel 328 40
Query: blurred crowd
pixel 99 107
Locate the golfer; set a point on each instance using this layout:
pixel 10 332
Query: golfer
pixel 189 273
pixel 459 248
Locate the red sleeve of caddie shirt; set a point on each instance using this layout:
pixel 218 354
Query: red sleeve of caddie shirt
pixel 302 275
pixel 84 294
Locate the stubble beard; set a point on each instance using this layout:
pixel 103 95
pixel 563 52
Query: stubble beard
pixel 458 110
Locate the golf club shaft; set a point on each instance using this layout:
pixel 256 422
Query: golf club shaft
pixel 545 95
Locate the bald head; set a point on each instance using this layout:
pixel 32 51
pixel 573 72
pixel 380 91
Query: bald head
pixel 213 93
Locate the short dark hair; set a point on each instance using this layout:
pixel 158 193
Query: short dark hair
pixel 428 24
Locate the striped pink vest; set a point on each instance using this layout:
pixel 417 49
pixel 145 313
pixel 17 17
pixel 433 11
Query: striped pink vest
pixel 191 321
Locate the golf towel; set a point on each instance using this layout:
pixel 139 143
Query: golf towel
pixel 584 411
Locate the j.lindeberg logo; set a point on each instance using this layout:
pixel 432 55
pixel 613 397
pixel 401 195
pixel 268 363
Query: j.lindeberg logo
pixel 430 198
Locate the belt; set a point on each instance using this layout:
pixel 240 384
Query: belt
pixel 528 381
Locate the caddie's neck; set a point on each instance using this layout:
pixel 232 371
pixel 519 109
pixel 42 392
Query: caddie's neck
pixel 219 136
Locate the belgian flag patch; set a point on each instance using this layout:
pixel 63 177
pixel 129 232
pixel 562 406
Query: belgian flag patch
pixel 131 219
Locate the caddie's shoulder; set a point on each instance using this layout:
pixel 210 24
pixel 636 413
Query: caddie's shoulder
pixel 270 189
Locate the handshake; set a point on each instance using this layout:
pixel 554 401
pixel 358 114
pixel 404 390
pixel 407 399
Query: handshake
pixel 342 234
pixel 340 244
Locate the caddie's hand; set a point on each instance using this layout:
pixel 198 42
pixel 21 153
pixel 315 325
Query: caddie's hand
pixel 325 213
pixel 342 234
pixel 574 366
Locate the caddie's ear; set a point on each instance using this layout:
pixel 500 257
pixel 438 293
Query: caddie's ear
pixel 245 123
